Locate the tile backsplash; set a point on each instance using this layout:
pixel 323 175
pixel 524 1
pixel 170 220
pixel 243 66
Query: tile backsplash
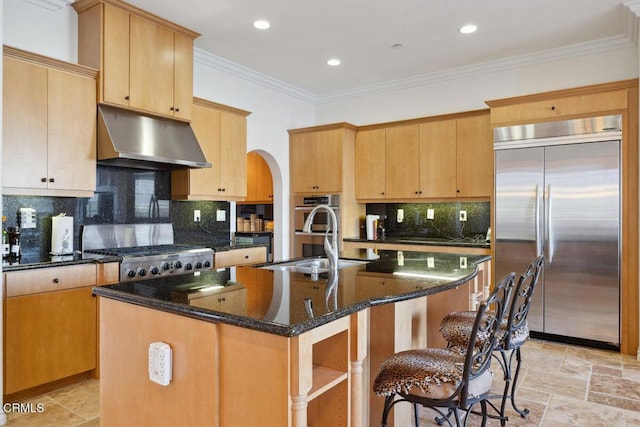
pixel 123 196
pixel 445 222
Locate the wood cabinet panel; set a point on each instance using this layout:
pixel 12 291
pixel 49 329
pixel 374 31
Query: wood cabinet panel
pixel 49 132
pixel 259 180
pixel 303 155
pixel 370 164
pixel 24 118
pixel 316 161
pixel 244 256
pixel 183 76
pixel 438 159
pixel 27 282
pixel 49 336
pixel 115 65
pixel 329 160
pixel 221 132
pixel 475 157
pixel 402 162
pixel 232 301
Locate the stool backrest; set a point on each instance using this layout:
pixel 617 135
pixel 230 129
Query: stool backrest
pixel 484 335
pixel 521 300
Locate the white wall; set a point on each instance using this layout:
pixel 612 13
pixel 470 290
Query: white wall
pixel 469 91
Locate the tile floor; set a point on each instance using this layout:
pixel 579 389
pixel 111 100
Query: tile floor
pixel 561 385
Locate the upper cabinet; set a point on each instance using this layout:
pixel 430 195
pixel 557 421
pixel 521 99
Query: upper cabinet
pixel 146 62
pixel 259 180
pixel 49 126
pixel 222 134
pixel 319 157
pixel 443 157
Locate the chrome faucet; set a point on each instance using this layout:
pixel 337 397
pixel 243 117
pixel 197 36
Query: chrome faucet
pixel 330 249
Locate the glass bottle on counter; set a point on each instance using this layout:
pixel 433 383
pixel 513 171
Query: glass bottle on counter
pixel 14 244
pixel 5 240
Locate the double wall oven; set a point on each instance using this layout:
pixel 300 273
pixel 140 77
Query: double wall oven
pixel 311 244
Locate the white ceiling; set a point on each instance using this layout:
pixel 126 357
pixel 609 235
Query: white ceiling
pixel 305 33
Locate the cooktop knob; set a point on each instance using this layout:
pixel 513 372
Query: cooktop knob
pixel 131 273
pixel 165 266
pixel 177 264
pixel 188 266
pixel 142 272
pixel 199 264
pixel 207 264
pixel 154 270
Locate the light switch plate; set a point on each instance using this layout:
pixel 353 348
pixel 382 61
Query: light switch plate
pixel 430 213
pixel 221 215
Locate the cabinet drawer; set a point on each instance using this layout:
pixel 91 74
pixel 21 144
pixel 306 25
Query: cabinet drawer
pixel 49 279
pixel 553 109
pixel 243 256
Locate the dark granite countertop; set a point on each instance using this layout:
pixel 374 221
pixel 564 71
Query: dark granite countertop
pixel 289 312
pixel 466 242
pixel 30 263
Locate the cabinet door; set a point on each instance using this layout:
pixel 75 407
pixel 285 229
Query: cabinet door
pixel 303 161
pixel 24 143
pixel 183 77
pixel 403 162
pixel 264 180
pixel 206 126
pixel 370 164
pixel 233 155
pixel 115 78
pixel 252 179
pixel 438 159
pixel 48 337
pixel 71 132
pixel 151 66
pixel 329 161
pixel 475 157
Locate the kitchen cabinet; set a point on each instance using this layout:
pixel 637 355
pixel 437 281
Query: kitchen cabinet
pixel 319 157
pixel 259 180
pixel 241 256
pixel 370 164
pixel 146 62
pixel 222 134
pixel 49 126
pixel 50 327
pixel 231 299
pixel 445 157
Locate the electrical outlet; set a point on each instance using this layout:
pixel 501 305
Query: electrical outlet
pixel 463 262
pixel 431 262
pixel 463 216
pixel 430 213
pixel 196 215
pixel 400 215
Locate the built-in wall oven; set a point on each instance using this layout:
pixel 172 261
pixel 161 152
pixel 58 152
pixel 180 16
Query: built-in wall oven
pixel 311 244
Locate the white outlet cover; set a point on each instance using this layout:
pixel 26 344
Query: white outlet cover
pixel 430 213
pixel 221 215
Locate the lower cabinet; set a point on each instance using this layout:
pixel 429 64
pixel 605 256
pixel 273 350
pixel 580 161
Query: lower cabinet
pixel 50 326
pixel 242 256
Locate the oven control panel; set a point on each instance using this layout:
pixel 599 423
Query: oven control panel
pixel 149 267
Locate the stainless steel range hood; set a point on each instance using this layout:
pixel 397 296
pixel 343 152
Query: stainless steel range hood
pixel 130 139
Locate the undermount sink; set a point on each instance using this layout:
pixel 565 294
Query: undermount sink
pixel 313 266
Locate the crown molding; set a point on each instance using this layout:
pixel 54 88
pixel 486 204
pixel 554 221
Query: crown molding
pixel 53 5
pixel 633 6
pixel 205 58
pixel 628 38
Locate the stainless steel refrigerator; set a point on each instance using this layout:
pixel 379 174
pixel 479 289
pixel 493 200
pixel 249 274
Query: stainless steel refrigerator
pixel 558 194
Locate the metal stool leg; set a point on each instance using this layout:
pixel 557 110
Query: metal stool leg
pixel 523 412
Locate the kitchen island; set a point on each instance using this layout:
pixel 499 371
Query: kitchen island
pixel 306 359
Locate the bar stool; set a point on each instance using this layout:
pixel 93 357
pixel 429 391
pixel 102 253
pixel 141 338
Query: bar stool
pixel 456 328
pixel 442 379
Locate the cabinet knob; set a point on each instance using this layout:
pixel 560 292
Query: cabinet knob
pixel 457 191
pixel 126 97
pixel 246 257
pixel 177 109
pixel 171 108
pixel 553 107
pixel 56 280
pixel 43 179
pixel 382 193
pixel 52 180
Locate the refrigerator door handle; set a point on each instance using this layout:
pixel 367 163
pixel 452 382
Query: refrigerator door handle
pixel 550 239
pixel 537 225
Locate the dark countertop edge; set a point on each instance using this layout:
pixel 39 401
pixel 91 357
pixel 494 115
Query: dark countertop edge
pixel 49 264
pixel 270 327
pixel 237 246
pixel 405 242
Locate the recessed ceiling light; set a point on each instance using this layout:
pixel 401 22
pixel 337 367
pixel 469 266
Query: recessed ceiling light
pixel 261 24
pixel 334 62
pixel 468 29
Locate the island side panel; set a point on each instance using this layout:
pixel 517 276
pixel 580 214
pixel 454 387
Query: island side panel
pixel 254 378
pixel 128 396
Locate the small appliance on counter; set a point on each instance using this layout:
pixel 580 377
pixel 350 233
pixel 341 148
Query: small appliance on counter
pixel 61 235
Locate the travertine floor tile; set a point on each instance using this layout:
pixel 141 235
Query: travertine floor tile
pixel 578 412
